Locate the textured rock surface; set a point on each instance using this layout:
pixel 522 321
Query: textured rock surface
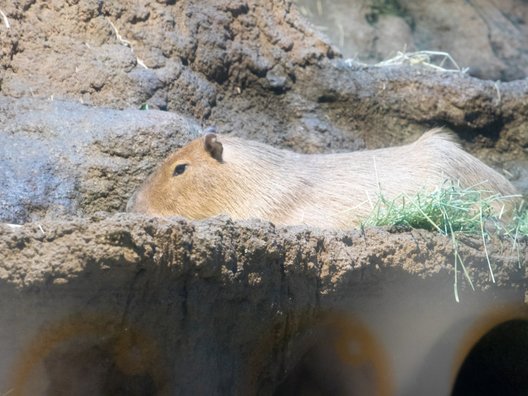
pixel 63 158
pixel 252 68
pixel 487 36
pixel 169 306
pixel 107 303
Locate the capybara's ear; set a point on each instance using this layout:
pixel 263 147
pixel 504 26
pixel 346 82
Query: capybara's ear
pixel 213 146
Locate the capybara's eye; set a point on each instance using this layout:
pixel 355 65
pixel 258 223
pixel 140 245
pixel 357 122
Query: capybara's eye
pixel 179 169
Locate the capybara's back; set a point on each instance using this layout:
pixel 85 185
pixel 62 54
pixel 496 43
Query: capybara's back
pixel 245 179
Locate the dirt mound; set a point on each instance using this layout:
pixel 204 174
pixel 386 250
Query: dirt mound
pixel 158 306
pixel 151 306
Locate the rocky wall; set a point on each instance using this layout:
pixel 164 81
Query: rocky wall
pixel 94 93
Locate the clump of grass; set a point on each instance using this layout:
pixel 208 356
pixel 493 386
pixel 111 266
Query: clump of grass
pixel 517 229
pixel 453 211
pixel 447 209
pixel 521 222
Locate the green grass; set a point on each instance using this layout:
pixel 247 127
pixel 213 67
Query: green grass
pixel 453 211
pixel 521 222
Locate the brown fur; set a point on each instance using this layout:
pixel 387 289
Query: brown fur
pixel 246 179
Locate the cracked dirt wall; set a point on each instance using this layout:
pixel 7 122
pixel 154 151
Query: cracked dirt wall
pixel 162 306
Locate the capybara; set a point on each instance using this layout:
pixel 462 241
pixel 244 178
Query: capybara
pixel 220 174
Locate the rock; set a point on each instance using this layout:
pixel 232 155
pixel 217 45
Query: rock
pixel 102 302
pixel 166 306
pixel 488 37
pixel 63 159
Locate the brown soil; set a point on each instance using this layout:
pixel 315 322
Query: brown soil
pixel 176 293
pixel 150 306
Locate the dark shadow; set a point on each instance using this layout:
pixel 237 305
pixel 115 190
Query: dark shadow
pixel 343 359
pixel 93 370
pixel 497 364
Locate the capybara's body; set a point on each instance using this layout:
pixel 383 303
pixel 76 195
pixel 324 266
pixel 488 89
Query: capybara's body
pixel 218 174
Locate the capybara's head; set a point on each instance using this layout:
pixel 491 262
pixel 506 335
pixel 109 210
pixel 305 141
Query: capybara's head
pixel 186 184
